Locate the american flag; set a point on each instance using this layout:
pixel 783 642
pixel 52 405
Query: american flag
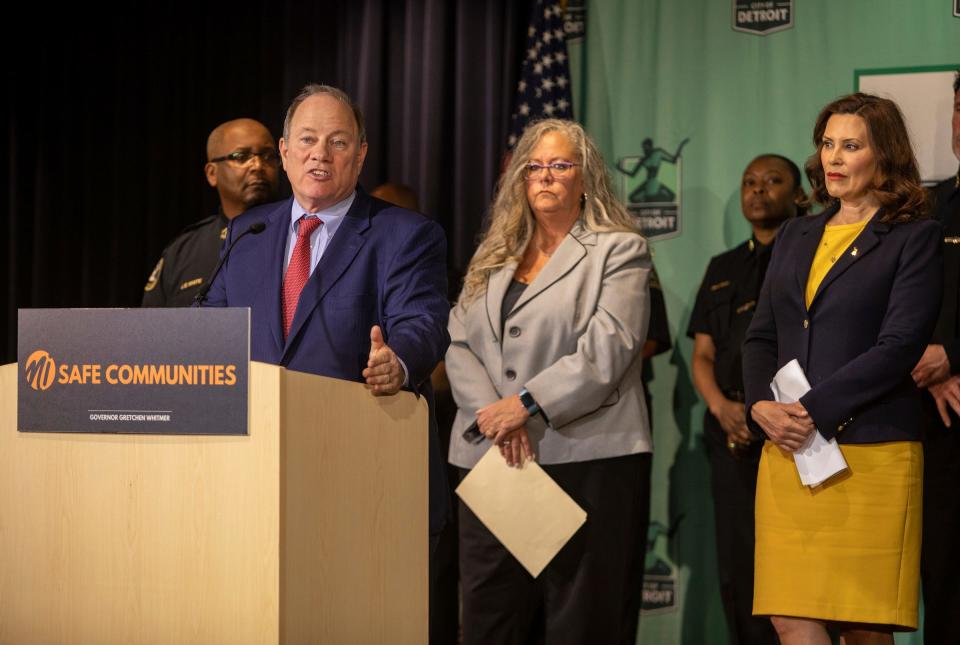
pixel 544 87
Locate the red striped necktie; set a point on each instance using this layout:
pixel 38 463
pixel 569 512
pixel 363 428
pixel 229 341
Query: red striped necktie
pixel 298 271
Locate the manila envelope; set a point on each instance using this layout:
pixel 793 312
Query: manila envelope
pixel 526 510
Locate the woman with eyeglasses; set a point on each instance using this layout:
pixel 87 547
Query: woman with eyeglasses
pixel 546 360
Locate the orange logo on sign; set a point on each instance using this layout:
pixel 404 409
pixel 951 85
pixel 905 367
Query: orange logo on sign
pixel 40 370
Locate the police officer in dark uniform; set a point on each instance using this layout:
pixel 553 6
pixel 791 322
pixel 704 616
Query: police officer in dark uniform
pixel 658 334
pixel 939 372
pixel 770 193
pixel 242 164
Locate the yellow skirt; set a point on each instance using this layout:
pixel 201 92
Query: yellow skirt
pixel 848 550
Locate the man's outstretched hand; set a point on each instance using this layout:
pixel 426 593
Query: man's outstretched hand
pixel 384 374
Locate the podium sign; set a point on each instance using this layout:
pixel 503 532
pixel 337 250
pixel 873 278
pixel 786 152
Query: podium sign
pixel 159 371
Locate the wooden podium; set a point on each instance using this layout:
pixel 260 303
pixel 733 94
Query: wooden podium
pixel 312 529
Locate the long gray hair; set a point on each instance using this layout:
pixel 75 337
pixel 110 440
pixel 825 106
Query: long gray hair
pixel 510 221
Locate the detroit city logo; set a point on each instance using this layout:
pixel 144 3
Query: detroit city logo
pixel 650 184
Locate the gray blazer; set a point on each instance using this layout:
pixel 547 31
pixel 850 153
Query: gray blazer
pixel 574 339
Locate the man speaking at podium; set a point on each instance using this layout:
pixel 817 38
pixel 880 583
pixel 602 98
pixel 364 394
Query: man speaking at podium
pixel 339 283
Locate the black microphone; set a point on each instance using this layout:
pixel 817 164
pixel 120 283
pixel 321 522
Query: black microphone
pixel 255 229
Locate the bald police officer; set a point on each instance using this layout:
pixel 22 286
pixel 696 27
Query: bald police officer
pixel 242 164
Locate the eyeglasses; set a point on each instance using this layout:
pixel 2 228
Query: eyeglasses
pixel 243 157
pixel 557 169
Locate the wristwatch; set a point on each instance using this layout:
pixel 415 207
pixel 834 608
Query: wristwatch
pixel 533 409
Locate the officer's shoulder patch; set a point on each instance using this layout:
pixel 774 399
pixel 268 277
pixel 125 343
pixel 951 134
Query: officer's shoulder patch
pixel 154 277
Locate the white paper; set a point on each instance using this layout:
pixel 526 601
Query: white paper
pixel 817 459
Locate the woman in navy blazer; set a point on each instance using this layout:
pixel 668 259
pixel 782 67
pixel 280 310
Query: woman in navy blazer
pixel 852 294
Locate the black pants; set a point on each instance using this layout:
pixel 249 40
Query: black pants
pixel 444 571
pixel 445 580
pixel 591 592
pixel 734 485
pixel 939 561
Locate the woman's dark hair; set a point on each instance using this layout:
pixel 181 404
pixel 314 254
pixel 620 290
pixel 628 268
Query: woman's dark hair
pixel 794 169
pixel 897 184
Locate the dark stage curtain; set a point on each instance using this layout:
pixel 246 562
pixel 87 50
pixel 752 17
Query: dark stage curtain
pixel 107 118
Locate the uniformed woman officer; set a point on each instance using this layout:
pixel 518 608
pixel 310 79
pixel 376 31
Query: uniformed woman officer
pixel 770 193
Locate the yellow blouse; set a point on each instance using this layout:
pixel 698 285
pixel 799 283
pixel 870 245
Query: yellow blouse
pixel 832 245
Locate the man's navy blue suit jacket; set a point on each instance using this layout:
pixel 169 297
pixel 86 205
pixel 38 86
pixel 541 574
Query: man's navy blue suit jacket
pixel 384 266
